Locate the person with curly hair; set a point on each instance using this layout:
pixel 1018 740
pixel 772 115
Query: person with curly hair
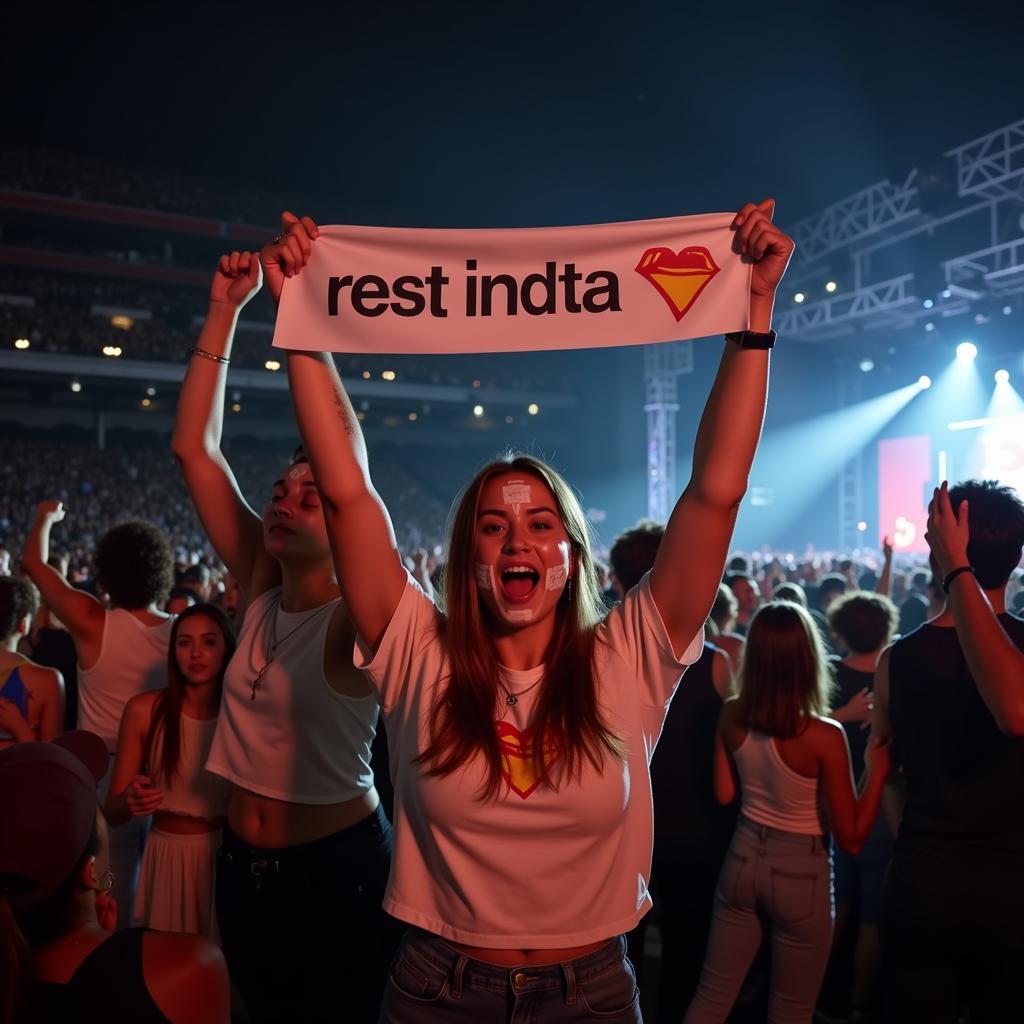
pixel 31 696
pixel 122 649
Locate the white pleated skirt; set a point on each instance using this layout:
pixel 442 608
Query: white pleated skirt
pixel 175 891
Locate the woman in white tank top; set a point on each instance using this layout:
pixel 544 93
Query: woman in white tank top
pixel 306 850
pixel 122 648
pixel 160 770
pixel 790 766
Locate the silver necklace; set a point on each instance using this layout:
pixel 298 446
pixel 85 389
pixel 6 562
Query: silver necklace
pixel 271 652
pixel 512 699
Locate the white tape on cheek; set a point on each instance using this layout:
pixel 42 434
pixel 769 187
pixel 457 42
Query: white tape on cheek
pixel 302 469
pixel 555 578
pixel 519 615
pixel 484 576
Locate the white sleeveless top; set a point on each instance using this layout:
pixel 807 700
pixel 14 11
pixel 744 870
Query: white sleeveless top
pixel 133 659
pixel 774 794
pixel 192 791
pixel 296 739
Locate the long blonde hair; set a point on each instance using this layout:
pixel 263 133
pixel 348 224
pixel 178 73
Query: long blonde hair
pixel 567 717
pixel 785 676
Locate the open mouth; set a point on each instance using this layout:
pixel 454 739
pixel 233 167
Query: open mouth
pixel 518 583
pixel 278 530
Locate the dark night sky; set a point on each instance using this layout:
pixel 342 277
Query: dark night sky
pixel 519 113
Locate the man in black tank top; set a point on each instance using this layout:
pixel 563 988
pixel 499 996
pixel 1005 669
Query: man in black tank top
pixel 953 912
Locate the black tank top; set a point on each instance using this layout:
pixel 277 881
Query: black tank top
pixel 108 986
pixel 964 778
pixel 849 682
pixel 685 809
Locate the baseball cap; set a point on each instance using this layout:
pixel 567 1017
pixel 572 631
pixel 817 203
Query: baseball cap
pixel 48 810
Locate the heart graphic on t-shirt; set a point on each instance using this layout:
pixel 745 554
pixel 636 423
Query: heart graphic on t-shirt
pixel 679 277
pixel 518 766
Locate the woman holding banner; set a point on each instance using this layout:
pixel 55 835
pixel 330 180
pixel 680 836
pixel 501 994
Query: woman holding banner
pixel 306 851
pixel 521 719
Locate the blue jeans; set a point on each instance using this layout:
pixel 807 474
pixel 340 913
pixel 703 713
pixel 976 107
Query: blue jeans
pixel 431 981
pixel 786 879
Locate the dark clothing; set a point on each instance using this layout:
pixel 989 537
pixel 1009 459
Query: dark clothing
pixel 55 649
pixel 303 930
pixel 107 986
pixel 691 834
pixel 850 682
pixel 953 907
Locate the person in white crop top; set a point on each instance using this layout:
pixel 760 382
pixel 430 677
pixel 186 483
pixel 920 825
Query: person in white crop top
pixel 121 647
pixel 791 767
pixel 306 849
pixel 160 770
pixel 521 721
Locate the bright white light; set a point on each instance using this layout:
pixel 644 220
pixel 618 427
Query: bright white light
pixel 22 343
pixel 929 326
pixel 799 297
pixel 272 365
pixel 1002 376
pixel 76 386
pixel 151 391
pixel 862 527
pixel 112 350
pixel 478 410
pixel 867 365
pixel 946 293
pixel 533 408
pixel 236 407
pixel 413 417
pixel 146 403
pixel 924 381
pixel 389 374
pixel 966 351
pixel 927 303
pixel 1007 310
pixel 831 286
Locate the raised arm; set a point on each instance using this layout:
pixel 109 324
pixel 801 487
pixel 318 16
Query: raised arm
pixel 700 528
pixel 884 584
pixel 234 529
pixel 366 557
pixel 994 660
pixel 79 611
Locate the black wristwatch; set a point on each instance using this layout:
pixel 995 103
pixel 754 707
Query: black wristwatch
pixel 752 339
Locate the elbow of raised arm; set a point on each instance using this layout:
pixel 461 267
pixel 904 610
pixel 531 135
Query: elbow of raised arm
pixel 1011 722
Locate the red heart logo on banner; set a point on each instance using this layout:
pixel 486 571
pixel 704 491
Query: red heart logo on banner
pixel 679 277
pixel 518 766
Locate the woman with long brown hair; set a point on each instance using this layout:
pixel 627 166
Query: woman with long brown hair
pixel 521 721
pixel 159 770
pixel 791 765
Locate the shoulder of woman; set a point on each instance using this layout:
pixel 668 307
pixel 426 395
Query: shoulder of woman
pixel 41 676
pixel 141 705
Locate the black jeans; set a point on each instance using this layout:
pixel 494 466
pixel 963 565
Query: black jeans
pixel 952 936
pixel 303 931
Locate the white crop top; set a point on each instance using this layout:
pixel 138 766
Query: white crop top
pixel 133 659
pixel 772 793
pixel 192 791
pixel 297 739
pixel 539 867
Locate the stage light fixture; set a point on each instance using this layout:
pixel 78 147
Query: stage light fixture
pixel 413 417
pixel 929 326
pixel 151 391
pixel 799 297
pixel 928 303
pixel 236 407
pixel 533 408
pixel 22 343
pixel 510 419
pixel 1007 310
pixel 389 375
pixel 831 286
pixel 367 375
pixel 924 381
pixel 1002 376
pixel 478 411
pixel 966 351
pixel 122 322
pixel 76 386
pixel 862 527
pixel 272 365
pixel 947 293
pixel 146 403
pixel 867 365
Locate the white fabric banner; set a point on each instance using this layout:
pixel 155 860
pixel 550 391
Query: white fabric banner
pixel 408 290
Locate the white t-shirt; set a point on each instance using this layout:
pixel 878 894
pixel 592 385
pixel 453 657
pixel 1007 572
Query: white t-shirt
pixel 538 867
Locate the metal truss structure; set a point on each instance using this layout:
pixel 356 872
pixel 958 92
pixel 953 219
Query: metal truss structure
pixel 663 366
pixel 851 476
pixel 992 165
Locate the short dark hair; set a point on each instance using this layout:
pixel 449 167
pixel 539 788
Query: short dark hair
pixel 725 607
pixel 732 578
pixel 135 564
pixel 996 516
pixel 182 592
pixel 18 598
pixel 921 578
pixel 833 583
pixel 198 573
pixel 862 620
pixel 740 564
pixel 634 551
pixel 790 592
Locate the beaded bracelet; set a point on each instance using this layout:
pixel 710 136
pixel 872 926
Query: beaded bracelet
pixel 953 575
pixel 202 353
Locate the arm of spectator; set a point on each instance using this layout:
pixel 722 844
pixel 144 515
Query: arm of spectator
pixel 47 688
pixel 857 709
pixel 366 558
pixel 80 612
pixel 721 674
pixel 234 529
pixel 132 793
pixel 884 584
pixel 700 528
pixel 851 817
pixel 994 660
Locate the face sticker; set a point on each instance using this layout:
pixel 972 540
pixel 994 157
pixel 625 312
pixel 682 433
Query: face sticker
pixel 484 576
pixel 519 615
pixel 299 471
pixel 515 493
pixel 555 578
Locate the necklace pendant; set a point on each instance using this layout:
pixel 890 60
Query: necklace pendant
pixel 511 700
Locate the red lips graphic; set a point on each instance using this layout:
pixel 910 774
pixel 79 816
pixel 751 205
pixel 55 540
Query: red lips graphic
pixel 679 277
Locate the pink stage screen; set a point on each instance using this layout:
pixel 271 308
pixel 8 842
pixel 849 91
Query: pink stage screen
pixel 904 485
